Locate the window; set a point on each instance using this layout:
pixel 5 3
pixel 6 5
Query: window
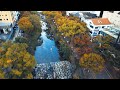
pixel 5 15
pixel 91 26
pixel 99 32
pixel 111 11
pixel 0 19
pixel 6 19
pixel 103 26
pixel 96 27
pixel 119 13
pixel 91 32
pixel 2 15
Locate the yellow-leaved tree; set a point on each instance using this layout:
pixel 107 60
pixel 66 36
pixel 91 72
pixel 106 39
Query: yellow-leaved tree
pixel 92 61
pixel 15 61
pixel 25 25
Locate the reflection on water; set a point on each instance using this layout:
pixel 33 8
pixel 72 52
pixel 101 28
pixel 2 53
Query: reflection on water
pixel 47 52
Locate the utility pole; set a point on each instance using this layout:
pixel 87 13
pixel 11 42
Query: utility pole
pixel 117 39
pixel 101 14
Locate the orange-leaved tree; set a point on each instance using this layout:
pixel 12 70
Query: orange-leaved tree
pixel 25 25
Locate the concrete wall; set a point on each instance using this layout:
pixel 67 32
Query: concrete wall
pixel 8 17
pixel 113 17
pixel 5 17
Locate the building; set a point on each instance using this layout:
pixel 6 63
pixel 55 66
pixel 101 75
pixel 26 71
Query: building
pixel 85 16
pixel 97 13
pixel 97 24
pixel 113 32
pixel 8 20
pixel 113 16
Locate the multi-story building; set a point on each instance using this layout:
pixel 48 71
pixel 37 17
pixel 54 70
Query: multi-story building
pixel 97 24
pixel 113 16
pixel 8 19
pixel 97 13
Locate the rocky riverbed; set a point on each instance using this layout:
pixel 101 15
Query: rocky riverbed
pixel 54 70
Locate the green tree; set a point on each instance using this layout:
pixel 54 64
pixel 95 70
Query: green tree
pixel 15 61
pixel 21 40
pixel 65 51
pixel 92 61
pixel 102 42
pixel 35 20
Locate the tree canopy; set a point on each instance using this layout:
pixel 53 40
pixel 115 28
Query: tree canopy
pixel 92 61
pixel 25 24
pixel 15 61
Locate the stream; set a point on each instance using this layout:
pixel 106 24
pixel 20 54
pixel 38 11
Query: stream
pixel 48 51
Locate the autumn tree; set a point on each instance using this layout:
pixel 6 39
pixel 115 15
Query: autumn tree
pixel 34 12
pixel 63 13
pixel 25 13
pixel 21 40
pixel 15 61
pixel 82 44
pixel 71 17
pixel 35 20
pixel 102 42
pixel 92 61
pixel 25 25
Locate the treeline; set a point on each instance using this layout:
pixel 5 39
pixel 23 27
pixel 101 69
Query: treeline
pixel 16 58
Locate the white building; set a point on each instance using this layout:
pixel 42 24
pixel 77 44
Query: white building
pixel 113 32
pixel 8 20
pixel 74 12
pixel 113 16
pixel 97 24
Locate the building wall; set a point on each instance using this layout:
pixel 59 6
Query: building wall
pixel 95 31
pixel 113 17
pixel 8 17
pixel 73 12
pixel 5 17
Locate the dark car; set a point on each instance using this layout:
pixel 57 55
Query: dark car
pixel 14 28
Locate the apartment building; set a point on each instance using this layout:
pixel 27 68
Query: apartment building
pixel 8 18
pixel 97 13
pixel 113 16
pixel 97 24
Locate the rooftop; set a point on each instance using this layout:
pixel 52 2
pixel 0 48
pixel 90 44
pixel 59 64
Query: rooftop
pixel 88 15
pixel 100 21
pixel 112 32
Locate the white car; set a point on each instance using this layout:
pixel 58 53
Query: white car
pixel 5 32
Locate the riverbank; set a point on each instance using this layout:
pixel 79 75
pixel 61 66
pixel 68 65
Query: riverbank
pixel 54 70
pixel 65 50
